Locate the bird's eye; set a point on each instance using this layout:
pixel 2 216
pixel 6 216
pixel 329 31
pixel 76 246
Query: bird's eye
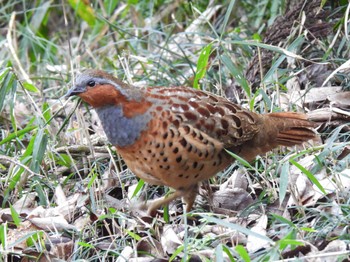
pixel 91 83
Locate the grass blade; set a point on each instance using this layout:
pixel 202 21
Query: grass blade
pixel 309 175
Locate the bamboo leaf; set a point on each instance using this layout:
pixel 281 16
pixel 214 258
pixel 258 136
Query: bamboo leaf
pixel 84 10
pixel 202 65
pixel 312 178
pixel 243 253
pixel 15 216
pixel 17 134
pixel 30 87
pixel 138 187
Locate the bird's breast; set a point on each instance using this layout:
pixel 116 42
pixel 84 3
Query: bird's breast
pixel 120 130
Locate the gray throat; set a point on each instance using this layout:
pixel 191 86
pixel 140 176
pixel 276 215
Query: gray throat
pixel 120 130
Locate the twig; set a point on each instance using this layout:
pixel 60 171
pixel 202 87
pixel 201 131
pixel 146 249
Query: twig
pixel 10 159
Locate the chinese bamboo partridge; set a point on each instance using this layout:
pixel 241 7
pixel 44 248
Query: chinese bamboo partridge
pixel 177 136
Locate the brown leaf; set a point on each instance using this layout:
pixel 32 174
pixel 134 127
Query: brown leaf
pixel 233 199
pixel 341 100
pixel 345 152
pixel 52 223
pixel 150 246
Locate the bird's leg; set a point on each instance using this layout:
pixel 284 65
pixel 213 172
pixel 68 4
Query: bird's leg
pixel 155 204
pixel 190 196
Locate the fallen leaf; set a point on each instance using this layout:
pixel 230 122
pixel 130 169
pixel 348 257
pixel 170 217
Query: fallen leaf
pixel 255 243
pixel 169 240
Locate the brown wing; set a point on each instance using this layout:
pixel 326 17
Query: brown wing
pixel 204 114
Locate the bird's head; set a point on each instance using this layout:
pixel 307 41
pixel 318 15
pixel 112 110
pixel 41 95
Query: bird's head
pixel 99 89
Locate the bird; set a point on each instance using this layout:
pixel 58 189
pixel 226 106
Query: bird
pixel 179 136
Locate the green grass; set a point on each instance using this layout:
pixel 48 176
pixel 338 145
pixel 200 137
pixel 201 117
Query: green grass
pixel 55 162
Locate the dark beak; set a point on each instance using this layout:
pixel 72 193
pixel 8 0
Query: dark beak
pixel 75 90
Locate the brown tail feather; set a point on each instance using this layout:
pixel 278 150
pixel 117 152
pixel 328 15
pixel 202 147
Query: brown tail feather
pixel 291 115
pixel 293 128
pixel 285 129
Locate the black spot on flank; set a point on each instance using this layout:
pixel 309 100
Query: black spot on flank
pixel 214 164
pixel 183 142
pixel 189 149
pixel 145 158
pixel 181 175
pixel 176 150
pixel 197 175
pixel 187 129
pixel 187 177
pixel 149 151
pixel 181 118
pixel 165 159
pixel 201 168
pixel 200 154
pixel 194 134
pixel 161 153
pixel 165 135
pixel 178 159
pixel 176 123
pixel 172 134
pixel 167 167
pixel 206 153
pixel 154 155
pixel 157 145
pixel 205 141
pixel 170 144
pixel 195 164
pixel 160 166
